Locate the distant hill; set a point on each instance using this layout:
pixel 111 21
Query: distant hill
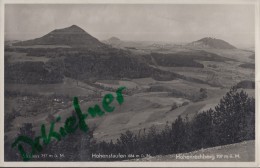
pixel 113 41
pixel 72 36
pixel 209 42
pixel 10 42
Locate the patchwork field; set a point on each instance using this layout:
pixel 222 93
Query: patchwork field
pixel 139 111
pixel 148 101
pixel 14 57
pixel 223 74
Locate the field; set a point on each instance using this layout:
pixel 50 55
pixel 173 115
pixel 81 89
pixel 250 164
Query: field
pixel 149 101
pixel 22 57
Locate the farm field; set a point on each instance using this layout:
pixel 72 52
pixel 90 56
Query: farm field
pixel 149 104
pixel 139 111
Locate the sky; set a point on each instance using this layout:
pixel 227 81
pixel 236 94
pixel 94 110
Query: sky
pixel 170 22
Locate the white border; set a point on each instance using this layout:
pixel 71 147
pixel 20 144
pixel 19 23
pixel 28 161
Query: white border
pixel 130 1
pixel 130 164
pixel 257 78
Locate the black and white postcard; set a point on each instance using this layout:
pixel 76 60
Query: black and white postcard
pixel 130 84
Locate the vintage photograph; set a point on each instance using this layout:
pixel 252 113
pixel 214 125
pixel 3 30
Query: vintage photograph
pixel 129 82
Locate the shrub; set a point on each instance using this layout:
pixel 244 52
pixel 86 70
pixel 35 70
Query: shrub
pixel 247 65
pixel 174 106
pixel 246 84
pixel 184 103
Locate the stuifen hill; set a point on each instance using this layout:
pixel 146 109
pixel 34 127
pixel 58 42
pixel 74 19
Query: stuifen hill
pixel 209 42
pixel 113 40
pixel 73 36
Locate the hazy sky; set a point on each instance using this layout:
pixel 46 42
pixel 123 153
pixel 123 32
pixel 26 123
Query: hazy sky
pixel 174 23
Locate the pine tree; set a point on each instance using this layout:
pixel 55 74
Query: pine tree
pixel 202 130
pixel 127 142
pixel 178 135
pixel 233 116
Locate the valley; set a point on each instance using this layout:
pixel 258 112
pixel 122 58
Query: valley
pixel 42 77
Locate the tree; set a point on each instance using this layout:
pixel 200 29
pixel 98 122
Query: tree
pixel 233 117
pixel 203 93
pixel 174 106
pixel 178 135
pixel 153 139
pixel 203 130
pixel 127 142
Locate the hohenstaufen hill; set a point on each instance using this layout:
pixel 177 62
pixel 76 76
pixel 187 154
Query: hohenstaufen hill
pixel 73 36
